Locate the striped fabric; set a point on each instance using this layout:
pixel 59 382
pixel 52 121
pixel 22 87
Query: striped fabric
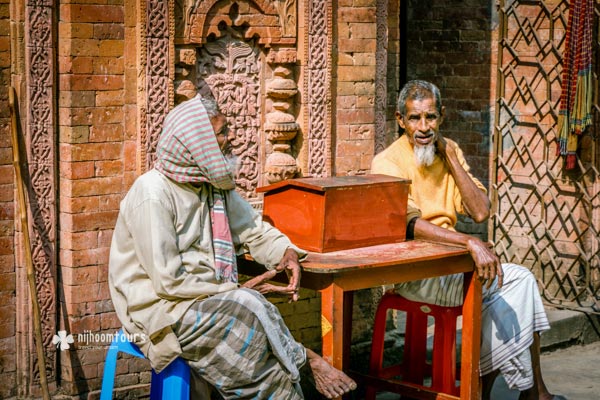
pixel 238 342
pixel 509 316
pixel 225 264
pixel 188 152
pixel 575 112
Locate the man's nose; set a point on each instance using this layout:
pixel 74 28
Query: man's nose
pixel 230 135
pixel 422 125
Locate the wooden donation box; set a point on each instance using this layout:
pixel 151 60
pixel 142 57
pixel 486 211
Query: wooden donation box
pixel 338 213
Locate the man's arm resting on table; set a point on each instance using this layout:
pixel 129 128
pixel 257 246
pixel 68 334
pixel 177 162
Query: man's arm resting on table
pixel 291 265
pixel 487 263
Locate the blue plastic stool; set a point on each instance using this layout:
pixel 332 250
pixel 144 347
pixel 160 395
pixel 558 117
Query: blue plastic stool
pixel 172 383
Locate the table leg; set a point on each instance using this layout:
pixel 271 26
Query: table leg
pixel 471 338
pixel 332 325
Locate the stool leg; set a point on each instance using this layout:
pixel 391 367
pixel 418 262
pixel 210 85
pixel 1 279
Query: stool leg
pixel 377 343
pixel 176 384
pixel 415 348
pixel 444 353
pixel 108 378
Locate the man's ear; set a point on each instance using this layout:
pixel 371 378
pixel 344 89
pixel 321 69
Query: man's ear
pixel 442 115
pixel 400 120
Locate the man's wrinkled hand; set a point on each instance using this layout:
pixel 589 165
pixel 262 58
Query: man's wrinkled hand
pixel 290 264
pixel 487 263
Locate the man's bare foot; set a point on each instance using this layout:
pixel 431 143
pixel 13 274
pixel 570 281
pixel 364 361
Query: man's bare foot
pixel 329 381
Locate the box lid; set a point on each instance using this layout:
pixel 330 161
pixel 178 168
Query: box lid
pixel 323 184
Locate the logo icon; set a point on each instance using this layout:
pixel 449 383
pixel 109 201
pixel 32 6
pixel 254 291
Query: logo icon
pixel 63 340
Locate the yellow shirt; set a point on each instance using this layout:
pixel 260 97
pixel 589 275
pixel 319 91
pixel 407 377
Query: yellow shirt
pixel 433 190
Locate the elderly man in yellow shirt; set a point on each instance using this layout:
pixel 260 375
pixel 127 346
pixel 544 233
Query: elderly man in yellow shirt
pixel 442 187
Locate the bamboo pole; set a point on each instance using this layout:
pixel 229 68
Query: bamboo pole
pixel 37 321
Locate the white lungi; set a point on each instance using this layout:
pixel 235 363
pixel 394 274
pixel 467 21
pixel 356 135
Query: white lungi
pixel 509 317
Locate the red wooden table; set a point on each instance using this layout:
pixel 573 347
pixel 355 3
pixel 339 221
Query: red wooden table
pixel 338 274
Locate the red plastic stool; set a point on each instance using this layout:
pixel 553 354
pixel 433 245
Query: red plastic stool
pixel 414 365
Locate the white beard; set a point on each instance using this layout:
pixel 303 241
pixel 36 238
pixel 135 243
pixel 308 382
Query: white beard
pixel 232 163
pixel 424 155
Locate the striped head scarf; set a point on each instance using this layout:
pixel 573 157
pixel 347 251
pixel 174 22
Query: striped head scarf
pixel 188 152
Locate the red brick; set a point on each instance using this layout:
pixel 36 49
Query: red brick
pixel 75 30
pixel 109 168
pixel 7 264
pixel 110 202
pixel 131 113
pixel 103 278
pixel 80 275
pixel 104 238
pixel 106 133
pixel 110 98
pixel 74 134
pixel 88 323
pixel 88 221
pixel 7 211
pixel 356 73
pixel 8 283
pixel 7 331
pixel 109 31
pixel 358 116
pixel 357 14
pixel 90 151
pixel 76 170
pixel 78 240
pixel 357 45
pixel 90 115
pixel 111 48
pixel 91 82
pixel 78 98
pixel 7 193
pixel 91 13
pixel 6 245
pixel 94 186
pixel 79 47
pixel 110 321
pixel 108 65
pixel 346 102
pixel 79 204
pixel 363 30
pixel 130 155
pixel 82 294
pixel 6 174
pixel 6 229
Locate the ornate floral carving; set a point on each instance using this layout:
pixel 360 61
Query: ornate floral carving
pixel 318 81
pixel 381 75
pixel 270 21
pixel 158 73
pixel 228 69
pixel 41 126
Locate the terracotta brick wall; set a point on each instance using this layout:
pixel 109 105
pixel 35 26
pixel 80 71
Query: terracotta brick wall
pixel 452 47
pixel 97 101
pixel 93 168
pixel 7 214
pixel 355 86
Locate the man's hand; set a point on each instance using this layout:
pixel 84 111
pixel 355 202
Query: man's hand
pixel 445 148
pixel 290 264
pixel 487 263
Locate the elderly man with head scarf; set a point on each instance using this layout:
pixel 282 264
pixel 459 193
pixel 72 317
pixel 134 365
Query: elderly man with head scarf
pixel 173 276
